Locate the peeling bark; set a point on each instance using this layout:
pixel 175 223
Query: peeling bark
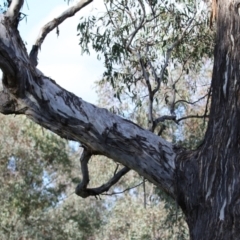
pixel 205 182
pixel 212 173
pixel 27 91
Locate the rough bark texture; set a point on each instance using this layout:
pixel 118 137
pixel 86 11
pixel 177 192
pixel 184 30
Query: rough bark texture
pixel 27 91
pixel 211 174
pixel 205 182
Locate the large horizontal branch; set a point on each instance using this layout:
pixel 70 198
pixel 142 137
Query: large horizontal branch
pixel 28 91
pixel 53 24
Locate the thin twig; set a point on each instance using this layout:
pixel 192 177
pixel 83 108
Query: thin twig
pixel 137 28
pixel 192 103
pixel 169 52
pixel 192 116
pixel 164 118
pixel 82 190
pixel 208 98
pixel 125 190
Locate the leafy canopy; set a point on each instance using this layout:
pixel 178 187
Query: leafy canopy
pixel 157 59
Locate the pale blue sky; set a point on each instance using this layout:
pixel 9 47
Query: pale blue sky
pixel 60 57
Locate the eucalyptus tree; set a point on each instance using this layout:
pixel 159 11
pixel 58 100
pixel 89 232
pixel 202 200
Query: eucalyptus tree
pixel 204 181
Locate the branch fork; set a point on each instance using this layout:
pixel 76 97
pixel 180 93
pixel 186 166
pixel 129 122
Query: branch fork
pixel 82 190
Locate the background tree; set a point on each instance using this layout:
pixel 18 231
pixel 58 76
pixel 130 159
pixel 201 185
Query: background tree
pixel 33 206
pixel 204 181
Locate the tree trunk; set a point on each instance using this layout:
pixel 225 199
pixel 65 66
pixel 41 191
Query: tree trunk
pixel 205 182
pixel 208 181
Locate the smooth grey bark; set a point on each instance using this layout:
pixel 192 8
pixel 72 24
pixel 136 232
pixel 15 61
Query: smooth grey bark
pixel 205 182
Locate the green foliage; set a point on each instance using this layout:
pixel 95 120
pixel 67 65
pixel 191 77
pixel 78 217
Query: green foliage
pixel 151 51
pixel 36 168
pixel 154 29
